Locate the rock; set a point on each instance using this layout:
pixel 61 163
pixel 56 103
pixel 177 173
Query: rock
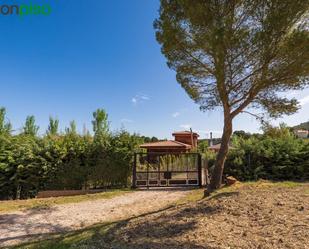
pixel 230 180
pixel 301 208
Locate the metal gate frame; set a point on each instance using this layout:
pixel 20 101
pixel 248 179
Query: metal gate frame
pixel 198 171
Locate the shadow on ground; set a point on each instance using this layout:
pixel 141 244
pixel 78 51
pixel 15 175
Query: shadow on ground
pixel 7 221
pixel 159 231
pixel 222 195
pixel 164 189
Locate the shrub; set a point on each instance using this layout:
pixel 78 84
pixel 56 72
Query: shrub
pixel 278 155
pixel 29 163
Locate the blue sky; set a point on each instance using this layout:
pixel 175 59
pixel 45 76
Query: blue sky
pixel 92 54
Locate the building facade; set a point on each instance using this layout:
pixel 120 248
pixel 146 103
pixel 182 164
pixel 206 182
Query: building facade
pixel 184 141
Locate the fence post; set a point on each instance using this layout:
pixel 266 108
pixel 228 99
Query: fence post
pixel 199 158
pixel 134 172
pixel 207 181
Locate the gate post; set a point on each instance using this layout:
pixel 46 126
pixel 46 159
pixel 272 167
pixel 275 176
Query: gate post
pixel 134 172
pixel 199 168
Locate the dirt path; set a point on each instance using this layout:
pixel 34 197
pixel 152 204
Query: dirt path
pixel 259 216
pixel 20 226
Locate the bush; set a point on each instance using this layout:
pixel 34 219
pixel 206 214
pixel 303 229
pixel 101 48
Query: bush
pixel 20 167
pixel 29 163
pixel 277 155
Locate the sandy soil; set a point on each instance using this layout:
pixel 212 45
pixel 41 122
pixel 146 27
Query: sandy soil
pixel 20 226
pixel 245 218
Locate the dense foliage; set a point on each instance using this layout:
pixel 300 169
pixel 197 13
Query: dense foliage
pixel 276 155
pixel 29 163
pixel 302 126
pixel 237 55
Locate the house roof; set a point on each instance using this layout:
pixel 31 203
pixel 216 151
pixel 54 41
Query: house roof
pixel 184 133
pixel 167 144
pixel 302 131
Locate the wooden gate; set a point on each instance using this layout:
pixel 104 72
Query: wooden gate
pixel 164 170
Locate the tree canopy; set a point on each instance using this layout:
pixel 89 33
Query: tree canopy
pixel 237 54
pixel 5 126
pixel 30 128
pixel 53 126
pixel 63 160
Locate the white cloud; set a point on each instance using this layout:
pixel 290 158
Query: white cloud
pixel 126 120
pixel 175 114
pixel 304 100
pixel 134 100
pixel 144 97
pixel 139 98
pixel 179 112
pixel 185 126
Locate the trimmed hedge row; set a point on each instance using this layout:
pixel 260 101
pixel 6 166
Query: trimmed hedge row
pixel 63 162
pixel 279 156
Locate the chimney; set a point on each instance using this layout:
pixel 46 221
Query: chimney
pixel 210 140
pixel 193 145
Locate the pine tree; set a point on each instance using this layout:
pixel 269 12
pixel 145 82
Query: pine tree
pixel 235 55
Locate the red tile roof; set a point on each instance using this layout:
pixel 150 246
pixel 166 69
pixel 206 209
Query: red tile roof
pixel 184 133
pixel 168 143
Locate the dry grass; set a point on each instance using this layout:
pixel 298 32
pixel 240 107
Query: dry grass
pixel 246 215
pixel 8 206
pixel 28 225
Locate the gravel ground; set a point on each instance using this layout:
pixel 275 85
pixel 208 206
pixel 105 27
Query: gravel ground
pixel 246 218
pixel 20 226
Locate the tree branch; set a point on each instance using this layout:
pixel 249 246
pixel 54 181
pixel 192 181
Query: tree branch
pixel 255 115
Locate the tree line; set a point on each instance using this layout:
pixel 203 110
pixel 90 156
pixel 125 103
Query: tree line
pixel 277 154
pixel 63 160
pixel 69 160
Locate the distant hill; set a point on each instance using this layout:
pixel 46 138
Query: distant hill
pixel 302 126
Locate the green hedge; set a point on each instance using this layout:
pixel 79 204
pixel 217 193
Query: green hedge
pixel 277 155
pixel 71 161
pixel 59 161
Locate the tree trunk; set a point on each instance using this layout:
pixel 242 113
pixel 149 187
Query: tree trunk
pixel 18 191
pixel 216 178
